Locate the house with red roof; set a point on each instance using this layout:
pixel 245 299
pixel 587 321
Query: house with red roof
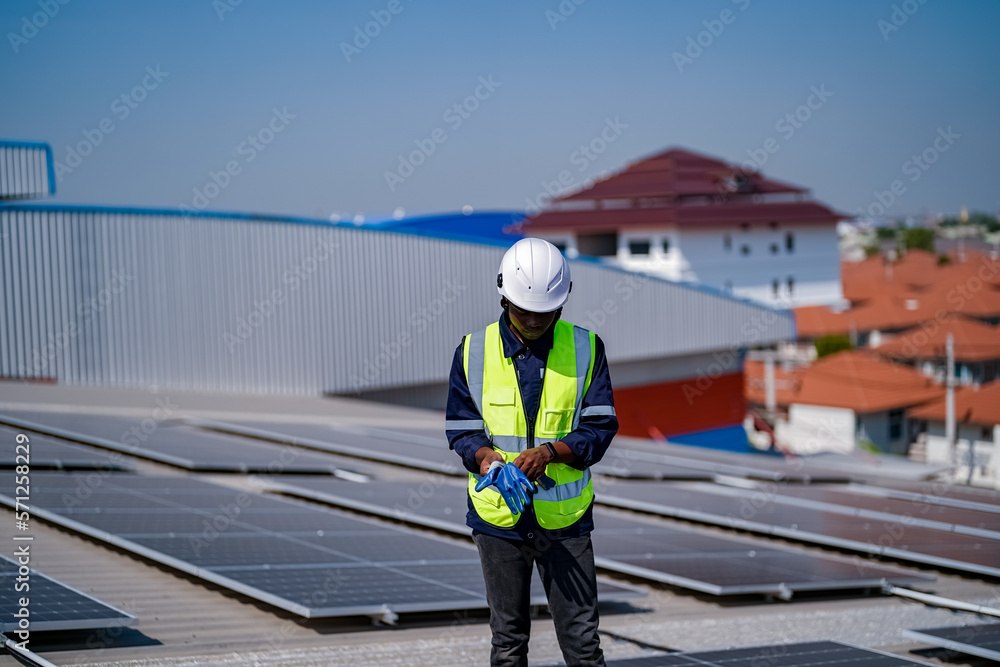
pixel 977 425
pixel 976 348
pixel 687 216
pixel 852 398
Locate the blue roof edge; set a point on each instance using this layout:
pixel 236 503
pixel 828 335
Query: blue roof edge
pixel 43 145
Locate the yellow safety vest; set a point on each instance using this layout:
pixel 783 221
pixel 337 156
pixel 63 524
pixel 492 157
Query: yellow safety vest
pixel 494 387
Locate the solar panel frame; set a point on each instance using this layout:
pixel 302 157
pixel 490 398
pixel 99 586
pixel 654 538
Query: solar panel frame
pixel 955 638
pixel 804 654
pixel 47 452
pixel 259 462
pixel 611 543
pixel 234 577
pixel 43 589
pixel 394 448
pixel 732 519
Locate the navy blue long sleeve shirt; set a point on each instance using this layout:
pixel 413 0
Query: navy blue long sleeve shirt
pixel 588 442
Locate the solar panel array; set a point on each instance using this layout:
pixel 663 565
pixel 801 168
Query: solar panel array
pixel 174 444
pixel 426 453
pixel 756 510
pixel 979 640
pixel 312 562
pixel 639 546
pixel 52 604
pixel 48 452
pixel 809 654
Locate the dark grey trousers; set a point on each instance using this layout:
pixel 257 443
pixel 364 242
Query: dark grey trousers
pixel 570 580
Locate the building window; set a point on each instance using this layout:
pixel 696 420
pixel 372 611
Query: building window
pixel 745 249
pixel 987 434
pixel 775 286
pixel 789 242
pixel 895 424
pixel 727 242
pixel 666 245
pixel 638 247
pixel 598 245
pixel 791 285
pixel 774 248
pixel 560 246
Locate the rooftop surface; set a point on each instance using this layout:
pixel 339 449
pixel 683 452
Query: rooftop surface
pixel 184 621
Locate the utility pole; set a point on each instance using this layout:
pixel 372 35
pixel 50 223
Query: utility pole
pixel 949 401
pixel 770 399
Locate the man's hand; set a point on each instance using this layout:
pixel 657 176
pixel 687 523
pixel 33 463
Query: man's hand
pixel 532 462
pixel 486 456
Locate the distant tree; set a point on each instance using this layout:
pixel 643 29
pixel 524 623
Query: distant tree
pixel 827 345
pixel 885 233
pixel 943 260
pixel 919 238
pixel 871 250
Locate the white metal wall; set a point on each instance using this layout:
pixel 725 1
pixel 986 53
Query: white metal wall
pixel 133 298
pixel 25 170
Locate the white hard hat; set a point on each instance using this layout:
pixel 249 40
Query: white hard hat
pixel 534 276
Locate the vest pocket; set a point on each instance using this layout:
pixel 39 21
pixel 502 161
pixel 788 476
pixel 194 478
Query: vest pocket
pixel 557 423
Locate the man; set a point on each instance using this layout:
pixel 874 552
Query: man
pixel 530 403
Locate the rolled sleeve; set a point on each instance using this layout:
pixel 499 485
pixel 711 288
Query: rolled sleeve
pixel 464 426
pixel 598 424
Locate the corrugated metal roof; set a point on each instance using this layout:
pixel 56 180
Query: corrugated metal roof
pixel 267 304
pixel 26 170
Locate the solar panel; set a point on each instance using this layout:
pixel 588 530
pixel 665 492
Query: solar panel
pixel 639 546
pixel 175 444
pixel 52 604
pixel 49 453
pixel 425 453
pixel 808 654
pixel 754 510
pixel 937 493
pixel 979 640
pixel 306 560
pixel 839 498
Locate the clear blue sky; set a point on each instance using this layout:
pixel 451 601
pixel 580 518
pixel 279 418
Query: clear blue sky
pixel 559 83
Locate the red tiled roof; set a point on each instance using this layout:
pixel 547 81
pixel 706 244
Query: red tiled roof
pixel 916 290
pixel 725 213
pixel 972 405
pixel 675 173
pixel 860 381
pixel 786 383
pixel 973 340
pixel 687 189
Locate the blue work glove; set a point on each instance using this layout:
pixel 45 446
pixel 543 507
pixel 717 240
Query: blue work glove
pixel 510 483
pixel 490 478
pixel 515 488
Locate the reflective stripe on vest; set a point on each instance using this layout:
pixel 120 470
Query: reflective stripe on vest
pixel 493 386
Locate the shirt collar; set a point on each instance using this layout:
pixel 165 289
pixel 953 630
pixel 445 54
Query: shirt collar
pixel 512 344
